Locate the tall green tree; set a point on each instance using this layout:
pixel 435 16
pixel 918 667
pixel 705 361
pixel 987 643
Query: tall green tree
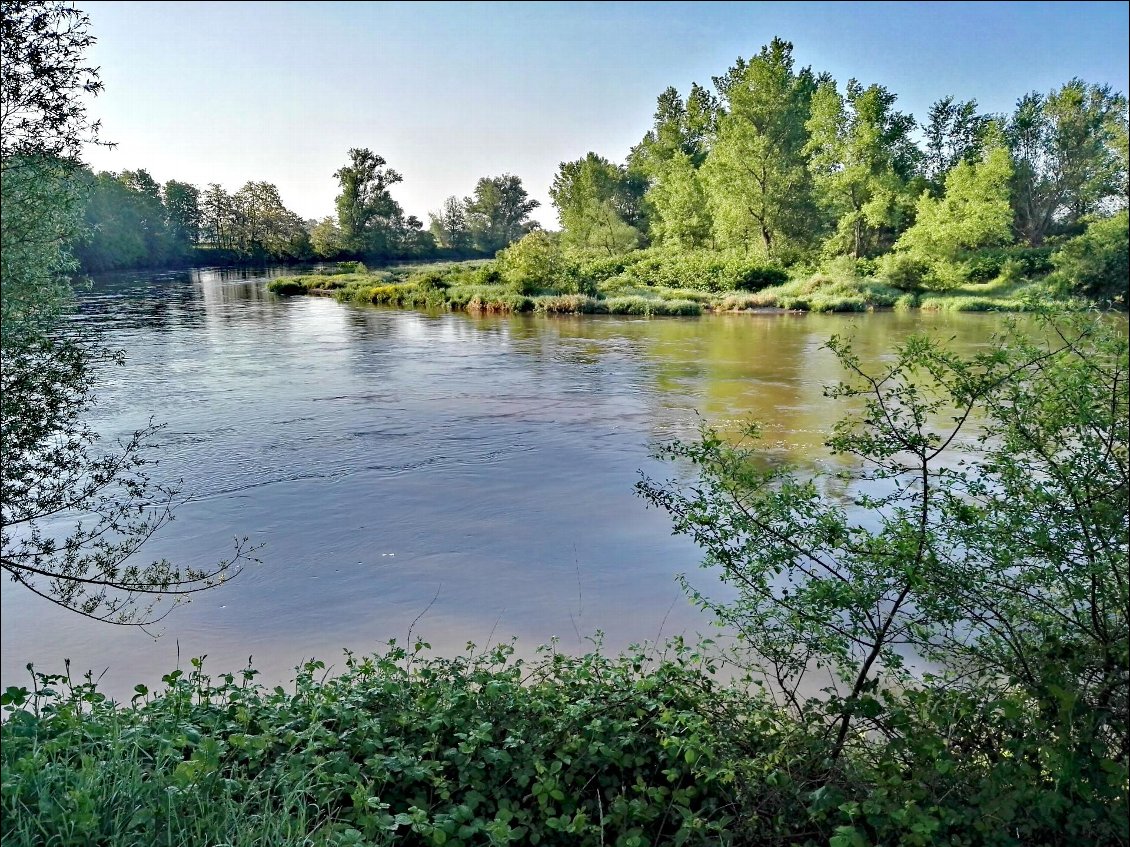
pixel 1069 153
pixel 366 212
pixel 756 175
pixel 862 161
pixel 498 212
pixel 680 212
pixel 265 227
pixel 680 127
pixel 182 211
pixel 217 218
pixel 954 133
pixel 325 238
pixel 598 204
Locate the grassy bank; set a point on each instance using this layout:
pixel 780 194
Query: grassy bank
pixel 488 750
pixel 652 283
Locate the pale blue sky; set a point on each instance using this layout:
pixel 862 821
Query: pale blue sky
pixel 448 92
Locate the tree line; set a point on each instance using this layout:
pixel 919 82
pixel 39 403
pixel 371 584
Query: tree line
pixel 787 164
pixel 130 220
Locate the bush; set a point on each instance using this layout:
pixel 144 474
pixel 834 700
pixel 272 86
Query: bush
pixel 398 749
pixel 286 286
pixel 974 621
pixel 904 271
pixel 1097 263
pixel 534 263
pixel 754 278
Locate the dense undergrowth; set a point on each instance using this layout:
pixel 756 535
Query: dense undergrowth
pixel 487 749
pixel 536 276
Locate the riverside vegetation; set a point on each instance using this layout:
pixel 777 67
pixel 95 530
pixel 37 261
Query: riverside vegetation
pixel 959 579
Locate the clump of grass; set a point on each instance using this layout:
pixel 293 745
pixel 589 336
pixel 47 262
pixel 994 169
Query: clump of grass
pixel 288 285
pixel 651 306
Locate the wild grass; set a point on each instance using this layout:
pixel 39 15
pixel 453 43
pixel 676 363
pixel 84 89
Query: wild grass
pixel 621 287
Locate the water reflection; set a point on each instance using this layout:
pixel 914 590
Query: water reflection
pixel 387 458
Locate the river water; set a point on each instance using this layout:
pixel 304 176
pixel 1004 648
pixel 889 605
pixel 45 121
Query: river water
pixel 468 478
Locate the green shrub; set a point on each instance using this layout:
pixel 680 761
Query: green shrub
pixel 398 749
pixel 754 277
pixel 430 280
pixel 1097 263
pixel 904 271
pixel 287 286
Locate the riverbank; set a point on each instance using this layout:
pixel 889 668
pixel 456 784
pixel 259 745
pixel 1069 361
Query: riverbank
pixel 631 750
pixel 647 288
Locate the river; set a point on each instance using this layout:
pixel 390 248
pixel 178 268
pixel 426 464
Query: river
pixel 468 478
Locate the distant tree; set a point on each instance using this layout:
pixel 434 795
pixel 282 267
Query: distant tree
pixel 416 242
pixel 115 218
pixel 598 204
pixel 265 227
pixel 499 212
pixel 450 225
pixel 1069 150
pixel 217 218
pixel 150 216
pixel 182 211
pixel 366 212
pixel 325 239
pixel 756 174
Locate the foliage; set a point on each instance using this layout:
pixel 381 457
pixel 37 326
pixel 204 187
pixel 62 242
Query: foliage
pixel 598 204
pixel 450 226
pixel 758 184
pixel 973 214
pixel 366 212
pixel 400 748
pixel 680 129
pixel 498 213
pixel 1096 263
pixel 532 264
pixel 954 133
pixel 72 517
pixel 682 217
pixel 45 82
pixel 970 552
pixel 1069 148
pixel 862 161
pixel 51 472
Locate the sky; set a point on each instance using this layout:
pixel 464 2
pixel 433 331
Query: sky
pixel 447 93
